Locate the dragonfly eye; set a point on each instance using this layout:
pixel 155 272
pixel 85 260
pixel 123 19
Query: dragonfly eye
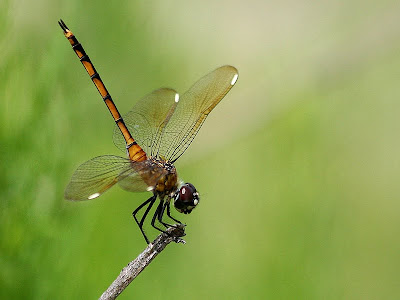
pixel 186 198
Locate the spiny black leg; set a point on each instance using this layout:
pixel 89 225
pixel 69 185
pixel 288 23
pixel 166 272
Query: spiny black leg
pixel 160 215
pixel 169 213
pixel 158 210
pixel 147 211
pixel 152 199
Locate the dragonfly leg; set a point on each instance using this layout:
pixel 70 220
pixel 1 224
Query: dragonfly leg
pixel 157 215
pixel 151 200
pixel 161 214
pixel 146 212
pixel 169 214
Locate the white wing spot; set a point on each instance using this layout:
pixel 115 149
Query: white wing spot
pixel 95 195
pixel 183 191
pixel 234 79
pixel 150 188
pixel 177 97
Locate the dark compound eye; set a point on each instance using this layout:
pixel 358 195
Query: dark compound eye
pixel 186 198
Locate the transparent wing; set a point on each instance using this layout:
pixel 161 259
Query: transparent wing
pixel 97 175
pixel 164 127
pixel 146 121
pixel 193 109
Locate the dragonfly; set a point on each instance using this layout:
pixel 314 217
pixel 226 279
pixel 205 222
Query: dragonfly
pixel 154 135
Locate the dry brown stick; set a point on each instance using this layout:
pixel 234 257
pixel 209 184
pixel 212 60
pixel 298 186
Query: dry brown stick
pixel 136 266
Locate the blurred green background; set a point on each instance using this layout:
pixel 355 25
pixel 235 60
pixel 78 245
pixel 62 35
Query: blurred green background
pixel 298 167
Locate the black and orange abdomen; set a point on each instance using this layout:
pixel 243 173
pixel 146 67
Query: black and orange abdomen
pixel 135 152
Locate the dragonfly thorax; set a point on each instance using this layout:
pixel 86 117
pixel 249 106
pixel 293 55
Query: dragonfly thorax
pixel 167 183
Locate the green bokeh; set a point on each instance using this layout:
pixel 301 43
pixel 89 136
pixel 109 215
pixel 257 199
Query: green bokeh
pixel 298 168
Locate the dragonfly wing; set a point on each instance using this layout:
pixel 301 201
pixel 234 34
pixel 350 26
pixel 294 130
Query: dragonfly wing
pixel 97 175
pixel 147 120
pixel 193 109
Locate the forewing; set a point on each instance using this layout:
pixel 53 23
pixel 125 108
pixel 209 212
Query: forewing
pixel 97 175
pixel 146 121
pixel 193 109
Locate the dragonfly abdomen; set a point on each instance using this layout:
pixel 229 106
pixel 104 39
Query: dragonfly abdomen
pixel 135 152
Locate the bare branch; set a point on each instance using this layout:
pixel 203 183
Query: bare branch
pixel 136 266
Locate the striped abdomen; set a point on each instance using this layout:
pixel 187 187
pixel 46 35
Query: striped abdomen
pixel 135 152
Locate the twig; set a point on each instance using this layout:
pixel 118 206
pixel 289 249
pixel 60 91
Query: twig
pixel 136 266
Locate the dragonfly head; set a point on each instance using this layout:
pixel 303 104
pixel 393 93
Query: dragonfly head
pixel 186 198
